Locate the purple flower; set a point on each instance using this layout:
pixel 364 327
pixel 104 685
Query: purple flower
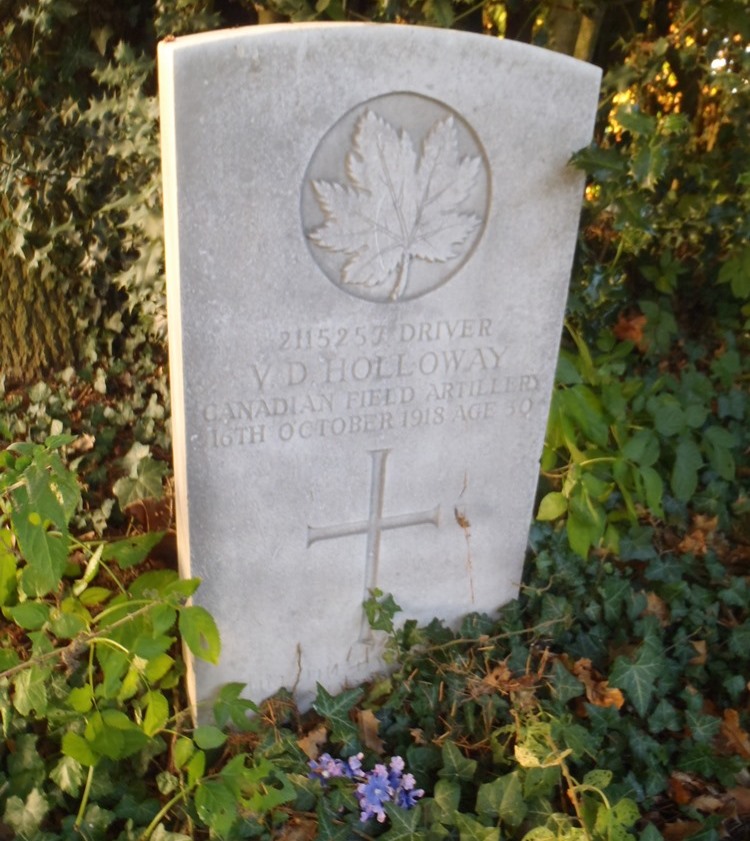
pixel 374 788
pixel 373 793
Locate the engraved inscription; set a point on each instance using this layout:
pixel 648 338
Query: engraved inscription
pixel 350 378
pixel 409 201
pixel 373 527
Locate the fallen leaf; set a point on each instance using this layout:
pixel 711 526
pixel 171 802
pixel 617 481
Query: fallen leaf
pixel 417 735
pixel 701 653
pixel 656 606
pixel 368 730
pixel 629 328
pixel 684 788
pixel 313 741
pixel 736 739
pixel 598 691
pixel 681 830
pixel 741 798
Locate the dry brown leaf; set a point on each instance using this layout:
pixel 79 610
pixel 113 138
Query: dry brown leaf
pixel 680 830
pixel 598 691
pixel 629 328
pixel 298 829
pixel 710 804
pixel 417 735
pixel 368 730
pixel 701 653
pixel 741 798
pixel 737 740
pixel 656 606
pixel 684 788
pixel 500 678
pixel 701 536
pixel 313 742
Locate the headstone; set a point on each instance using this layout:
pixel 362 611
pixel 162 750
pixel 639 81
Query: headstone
pixel 369 232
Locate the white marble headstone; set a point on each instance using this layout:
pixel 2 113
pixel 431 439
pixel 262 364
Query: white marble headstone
pixel 369 232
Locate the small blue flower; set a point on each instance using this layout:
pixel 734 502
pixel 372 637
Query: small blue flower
pixel 373 793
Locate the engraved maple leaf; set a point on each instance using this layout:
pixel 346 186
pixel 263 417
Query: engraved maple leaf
pixel 400 206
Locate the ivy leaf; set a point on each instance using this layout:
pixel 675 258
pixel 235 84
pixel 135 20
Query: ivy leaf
pixel 229 706
pixel 335 709
pixel 399 208
pixel 68 775
pixel 470 829
pixel 502 798
pixel 637 677
pixel 455 765
pixel 403 823
pixel 26 817
pixel 144 482
pixel 31 692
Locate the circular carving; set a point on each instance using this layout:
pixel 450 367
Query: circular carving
pixel 395 197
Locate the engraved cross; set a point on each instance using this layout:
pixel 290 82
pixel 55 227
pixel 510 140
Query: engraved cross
pixel 373 527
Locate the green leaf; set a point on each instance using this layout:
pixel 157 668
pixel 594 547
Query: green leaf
pixel 81 698
pixel 206 736
pixel 404 823
pixel 642 448
pixel 31 616
pixel 654 490
pixel 68 775
pixel 200 633
pixel 229 706
pixel 46 554
pixel 132 551
pixel 565 686
pixel 637 677
pixel 30 693
pixel 446 797
pixel 79 749
pixel 503 799
pixel 217 806
pixel 703 727
pixel 455 765
pixel 669 418
pixel 736 272
pixel 157 713
pixel 598 778
pixel 7 570
pixel 470 829
pixel 336 709
pixel 688 462
pixel 552 506
pixel 112 734
pixel 26 817
pixel 146 484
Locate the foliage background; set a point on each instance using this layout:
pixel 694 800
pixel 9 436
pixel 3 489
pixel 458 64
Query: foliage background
pixel 627 653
